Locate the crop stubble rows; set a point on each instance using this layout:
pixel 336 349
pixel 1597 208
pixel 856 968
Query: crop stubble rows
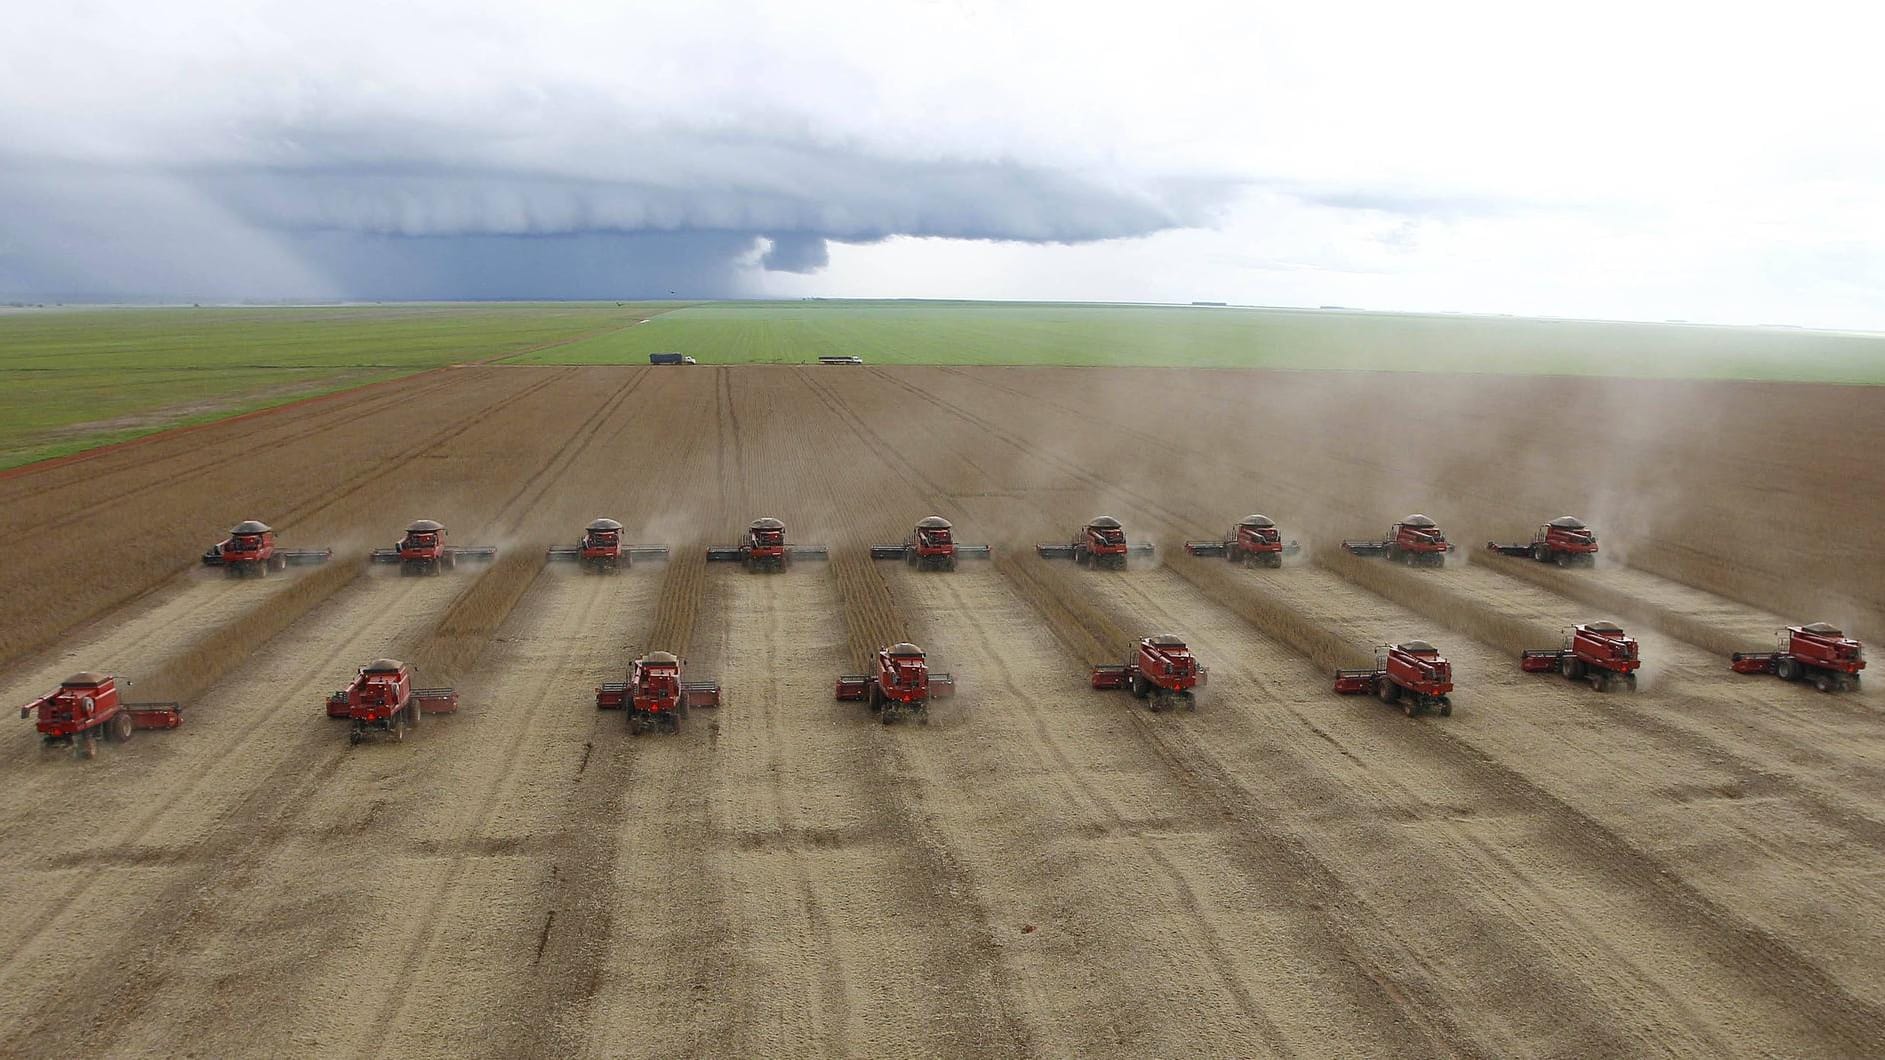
pixel 1043 868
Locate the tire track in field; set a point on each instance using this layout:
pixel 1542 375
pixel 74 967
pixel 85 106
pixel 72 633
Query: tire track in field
pixel 1775 968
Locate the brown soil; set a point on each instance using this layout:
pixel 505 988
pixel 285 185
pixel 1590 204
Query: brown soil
pixel 1695 868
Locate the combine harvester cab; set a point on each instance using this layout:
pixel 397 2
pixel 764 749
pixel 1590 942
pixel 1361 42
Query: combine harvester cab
pixel 88 706
pixel 654 696
pixel 423 551
pixel 932 546
pixel 1598 652
pixel 1254 541
pixel 1416 541
pixel 765 549
pixel 1817 652
pixel 901 685
pixel 382 700
pixel 1158 668
pixel 601 550
pixel 1413 674
pixel 1565 541
pixel 1100 543
pixel 250 552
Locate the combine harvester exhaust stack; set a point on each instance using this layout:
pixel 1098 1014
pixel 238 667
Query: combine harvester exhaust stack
pixel 1254 541
pixel 423 551
pixel 932 546
pixel 250 552
pixel 601 550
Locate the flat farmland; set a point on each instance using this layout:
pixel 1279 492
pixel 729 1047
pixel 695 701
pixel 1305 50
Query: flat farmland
pixel 1693 869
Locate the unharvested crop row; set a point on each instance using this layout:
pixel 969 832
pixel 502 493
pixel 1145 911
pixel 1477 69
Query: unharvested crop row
pixel 1596 593
pixel 451 650
pixel 1252 600
pixel 1428 596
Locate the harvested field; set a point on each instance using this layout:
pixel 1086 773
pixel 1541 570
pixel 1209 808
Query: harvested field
pixel 1693 869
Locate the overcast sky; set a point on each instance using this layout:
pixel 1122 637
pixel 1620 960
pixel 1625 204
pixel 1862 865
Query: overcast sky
pixel 1639 160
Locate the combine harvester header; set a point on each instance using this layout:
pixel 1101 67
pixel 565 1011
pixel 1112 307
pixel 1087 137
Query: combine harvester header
pixel 1565 541
pixel 765 549
pixel 1416 541
pixel 1100 543
pixel 88 705
pixel 931 546
pixel 600 551
pixel 1254 540
pixel 423 551
pixel 250 552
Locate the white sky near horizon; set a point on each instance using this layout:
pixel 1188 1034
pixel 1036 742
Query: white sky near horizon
pixel 1631 161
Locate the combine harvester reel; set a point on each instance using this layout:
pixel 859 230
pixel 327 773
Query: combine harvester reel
pixel 423 551
pixel 250 552
pixel 1254 541
pixel 901 685
pixel 932 546
pixel 601 550
pixel 1415 541
pixel 1817 652
pixel 382 700
pixel 1100 543
pixel 1598 652
pixel 1413 674
pixel 87 706
pixel 1565 541
pixel 1160 669
pixel 765 549
pixel 654 696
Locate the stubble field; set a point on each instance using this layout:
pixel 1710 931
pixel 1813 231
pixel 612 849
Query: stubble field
pixel 1695 869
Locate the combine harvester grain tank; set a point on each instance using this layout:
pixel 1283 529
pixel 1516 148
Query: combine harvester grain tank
pixel 1254 541
pixel 87 706
pixel 1597 652
pixel 1100 543
pixel 1413 674
pixel 250 552
pixel 765 549
pixel 900 684
pixel 1818 652
pixel 600 550
pixel 1158 668
pixel 1565 541
pixel 655 697
pixel 381 699
pixel 1416 541
pixel 932 546
pixel 423 551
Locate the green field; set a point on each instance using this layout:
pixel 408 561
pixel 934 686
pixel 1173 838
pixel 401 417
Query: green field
pixel 71 379
pixel 1210 337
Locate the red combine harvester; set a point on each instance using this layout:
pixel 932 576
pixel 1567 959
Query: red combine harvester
pixel 1413 674
pixel 903 684
pixel 1158 668
pixel 1598 652
pixel 654 695
pixel 1565 541
pixel 423 551
pixel 601 550
pixel 1415 541
pixel 1818 653
pixel 931 546
pixel 765 549
pixel 249 552
pixel 86 706
pixel 382 699
pixel 1100 543
pixel 1254 540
